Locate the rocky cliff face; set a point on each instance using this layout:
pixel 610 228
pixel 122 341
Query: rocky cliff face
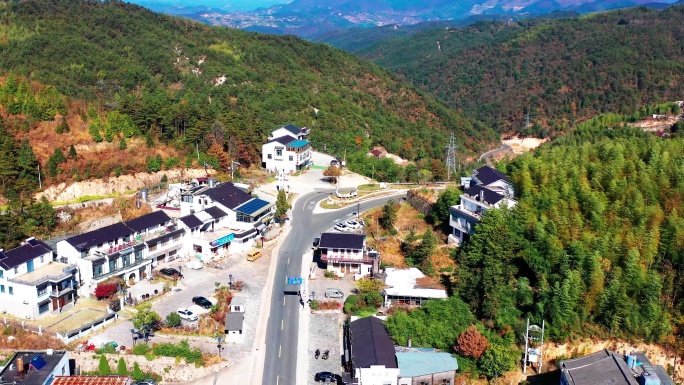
pixel 124 184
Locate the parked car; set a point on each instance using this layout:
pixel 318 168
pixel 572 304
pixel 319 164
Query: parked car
pixel 145 382
pixel 353 224
pixel 328 376
pixel 169 272
pixel 253 255
pixel 334 293
pixel 341 227
pixel 195 265
pixel 187 315
pixel 202 302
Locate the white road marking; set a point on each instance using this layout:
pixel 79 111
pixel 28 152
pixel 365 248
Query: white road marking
pixel 282 323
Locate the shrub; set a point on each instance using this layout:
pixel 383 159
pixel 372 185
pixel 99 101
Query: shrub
pixel 141 349
pixel 121 368
pixel 238 286
pixel 105 290
pixel 137 373
pixel 115 304
pixel 328 274
pixel 471 343
pixel 182 349
pixel 314 304
pixel 373 299
pixel 351 304
pixel 173 320
pixel 103 368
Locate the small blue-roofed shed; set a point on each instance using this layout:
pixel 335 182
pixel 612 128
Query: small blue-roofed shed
pixel 417 367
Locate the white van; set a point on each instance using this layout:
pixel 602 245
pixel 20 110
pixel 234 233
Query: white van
pixel 333 293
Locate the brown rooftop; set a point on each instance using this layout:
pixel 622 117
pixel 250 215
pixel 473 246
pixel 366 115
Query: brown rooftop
pixel 92 380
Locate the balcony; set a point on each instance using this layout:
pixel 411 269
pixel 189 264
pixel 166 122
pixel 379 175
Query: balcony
pixel 112 250
pixel 122 269
pixel 464 229
pixel 342 257
pixel 53 272
pixel 59 293
pixel 476 215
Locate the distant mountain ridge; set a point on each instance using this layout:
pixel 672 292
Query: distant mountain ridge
pixel 307 18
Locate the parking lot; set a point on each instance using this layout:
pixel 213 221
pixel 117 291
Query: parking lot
pixel 202 283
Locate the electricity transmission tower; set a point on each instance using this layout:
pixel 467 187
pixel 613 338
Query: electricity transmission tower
pixel 451 157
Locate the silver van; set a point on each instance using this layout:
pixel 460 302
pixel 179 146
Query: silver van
pixel 333 293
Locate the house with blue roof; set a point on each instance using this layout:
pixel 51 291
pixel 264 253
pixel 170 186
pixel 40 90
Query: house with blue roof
pixel 426 367
pixel 287 150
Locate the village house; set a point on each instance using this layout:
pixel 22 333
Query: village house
pixel 287 150
pixel 32 283
pixel 345 253
pixel 486 189
pixel 401 287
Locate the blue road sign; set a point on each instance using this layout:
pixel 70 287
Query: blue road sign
pixel 294 280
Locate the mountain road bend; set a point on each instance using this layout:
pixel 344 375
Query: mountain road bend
pixel 282 334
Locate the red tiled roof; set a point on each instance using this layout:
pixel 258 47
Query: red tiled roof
pixel 91 380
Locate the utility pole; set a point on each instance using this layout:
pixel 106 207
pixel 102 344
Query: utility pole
pixel 451 157
pixel 232 168
pixel 40 182
pixel 533 352
pixel 197 148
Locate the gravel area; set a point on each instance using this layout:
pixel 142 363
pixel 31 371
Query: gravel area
pixel 325 333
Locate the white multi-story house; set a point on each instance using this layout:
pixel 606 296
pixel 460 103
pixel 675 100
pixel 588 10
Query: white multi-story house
pixel 125 250
pixel 486 189
pixel 32 284
pixel 221 218
pixel 290 130
pixel 287 150
pixel 345 253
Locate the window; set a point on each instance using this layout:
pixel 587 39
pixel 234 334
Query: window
pixel 172 252
pixel 138 256
pixel 279 152
pixel 176 238
pixel 1 273
pixel 153 247
pixel 16 270
pixel 97 270
pixel 164 242
pixel 43 308
pixel 10 290
pixel 270 156
pixel 2 288
pixel 29 266
pixel 126 260
pixel 42 291
pixel 290 158
pixel 84 253
pixel 112 265
pixel 42 258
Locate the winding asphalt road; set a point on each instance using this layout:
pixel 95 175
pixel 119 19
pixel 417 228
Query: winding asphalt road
pixel 491 153
pixel 280 366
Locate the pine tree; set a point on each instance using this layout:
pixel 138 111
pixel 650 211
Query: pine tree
pixel 63 126
pixel 122 144
pixel 72 152
pixel 389 216
pixel 137 373
pixel 121 367
pixel 54 161
pixel 103 368
pixel 27 162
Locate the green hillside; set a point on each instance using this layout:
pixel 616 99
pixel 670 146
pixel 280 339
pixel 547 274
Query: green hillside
pixel 561 70
pixel 181 82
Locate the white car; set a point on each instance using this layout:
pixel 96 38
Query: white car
pixel 354 225
pixel 187 315
pixel 195 265
pixel 341 227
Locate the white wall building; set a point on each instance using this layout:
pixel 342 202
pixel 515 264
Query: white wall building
pixel 372 359
pixel 32 284
pixel 402 288
pixel 486 189
pixel 287 150
pixel 345 253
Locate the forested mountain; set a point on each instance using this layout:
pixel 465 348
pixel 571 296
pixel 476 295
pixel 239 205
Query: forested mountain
pixel 185 83
pixel 560 70
pixel 594 246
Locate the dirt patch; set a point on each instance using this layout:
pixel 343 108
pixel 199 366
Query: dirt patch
pixel 389 246
pixel 655 124
pixel 124 184
pixel 522 145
